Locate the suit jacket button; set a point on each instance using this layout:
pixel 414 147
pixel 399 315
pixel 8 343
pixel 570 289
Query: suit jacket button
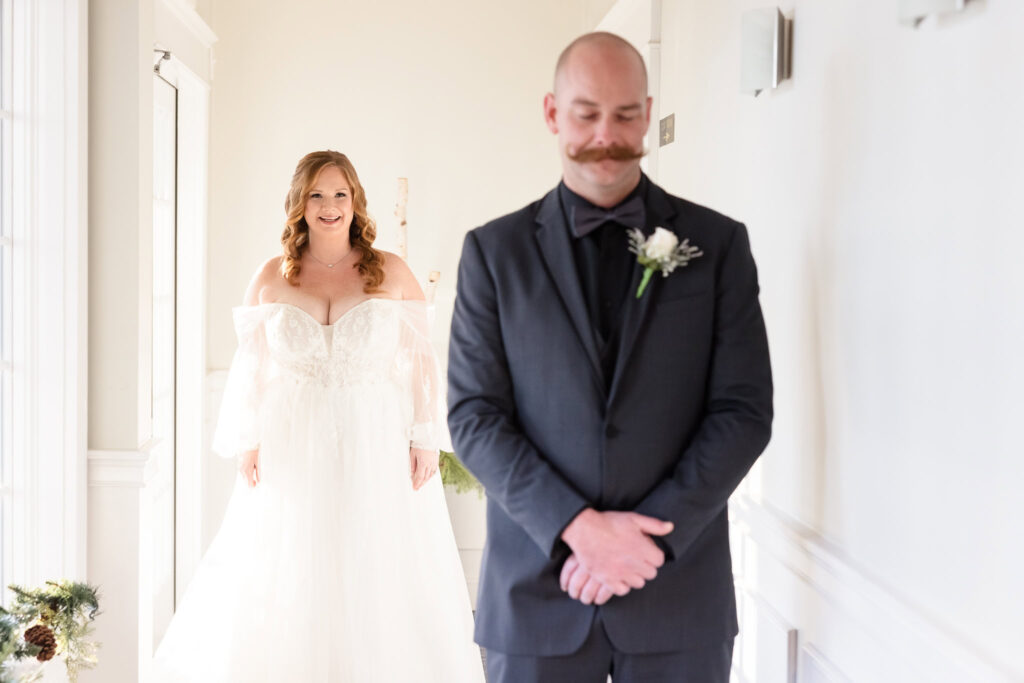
pixel 611 431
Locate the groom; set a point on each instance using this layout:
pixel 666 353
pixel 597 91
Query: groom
pixel 609 429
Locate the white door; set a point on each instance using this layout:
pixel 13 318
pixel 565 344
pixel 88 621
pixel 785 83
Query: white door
pixel 165 126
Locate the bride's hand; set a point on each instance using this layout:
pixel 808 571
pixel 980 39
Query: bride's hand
pixel 422 466
pixel 249 466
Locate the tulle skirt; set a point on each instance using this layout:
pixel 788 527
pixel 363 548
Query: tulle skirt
pixel 332 568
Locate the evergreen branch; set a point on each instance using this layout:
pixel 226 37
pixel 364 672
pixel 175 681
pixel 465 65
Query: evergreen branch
pixel 454 473
pixel 67 608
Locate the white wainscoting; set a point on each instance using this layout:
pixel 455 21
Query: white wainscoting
pixel 814 667
pixel 122 558
pixel 767 649
pixel 467 512
pixel 810 615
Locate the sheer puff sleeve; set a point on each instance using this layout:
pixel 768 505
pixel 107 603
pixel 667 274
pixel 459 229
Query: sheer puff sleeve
pixel 238 424
pixel 419 365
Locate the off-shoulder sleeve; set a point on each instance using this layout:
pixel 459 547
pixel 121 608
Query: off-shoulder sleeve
pixel 238 423
pixel 428 428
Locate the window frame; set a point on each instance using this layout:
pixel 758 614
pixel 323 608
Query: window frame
pixel 6 367
pixel 45 315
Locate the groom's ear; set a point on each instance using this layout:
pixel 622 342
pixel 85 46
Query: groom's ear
pixel 550 110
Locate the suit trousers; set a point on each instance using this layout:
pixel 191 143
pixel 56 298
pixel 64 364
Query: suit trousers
pixel 598 658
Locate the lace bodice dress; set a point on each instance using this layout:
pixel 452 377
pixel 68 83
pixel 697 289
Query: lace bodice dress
pixel 332 568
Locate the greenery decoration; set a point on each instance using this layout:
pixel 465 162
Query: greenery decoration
pixel 10 646
pixel 454 473
pixel 41 623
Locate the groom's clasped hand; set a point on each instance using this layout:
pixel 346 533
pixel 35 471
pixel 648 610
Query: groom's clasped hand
pixel 612 554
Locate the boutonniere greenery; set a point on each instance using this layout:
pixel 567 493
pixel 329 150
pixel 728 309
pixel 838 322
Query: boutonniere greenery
pixel 661 251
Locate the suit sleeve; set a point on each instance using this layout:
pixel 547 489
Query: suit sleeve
pixel 738 410
pixel 482 414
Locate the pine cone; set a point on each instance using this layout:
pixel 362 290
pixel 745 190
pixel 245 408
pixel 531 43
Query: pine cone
pixel 42 637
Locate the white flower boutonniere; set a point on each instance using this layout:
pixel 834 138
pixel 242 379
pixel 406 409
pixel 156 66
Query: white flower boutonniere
pixel 661 251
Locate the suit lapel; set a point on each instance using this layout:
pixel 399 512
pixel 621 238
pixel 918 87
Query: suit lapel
pixel 659 213
pixel 553 240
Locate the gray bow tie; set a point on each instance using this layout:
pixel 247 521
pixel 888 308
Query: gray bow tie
pixel 586 218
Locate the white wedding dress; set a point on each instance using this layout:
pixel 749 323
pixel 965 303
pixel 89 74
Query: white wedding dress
pixel 332 569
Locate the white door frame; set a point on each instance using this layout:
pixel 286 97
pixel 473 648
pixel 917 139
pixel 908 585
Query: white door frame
pixel 193 160
pixel 160 488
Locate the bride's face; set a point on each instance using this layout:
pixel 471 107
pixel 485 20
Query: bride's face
pixel 329 204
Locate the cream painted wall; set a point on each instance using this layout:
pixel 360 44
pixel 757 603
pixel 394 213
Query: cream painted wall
pixel 879 187
pixel 595 11
pixel 122 34
pixel 447 94
pixel 120 200
pixel 171 32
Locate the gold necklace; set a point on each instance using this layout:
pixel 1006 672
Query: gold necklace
pixel 329 265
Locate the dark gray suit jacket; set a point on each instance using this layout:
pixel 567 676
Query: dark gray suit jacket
pixel 687 413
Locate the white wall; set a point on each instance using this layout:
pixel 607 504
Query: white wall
pixel 120 201
pixel 879 187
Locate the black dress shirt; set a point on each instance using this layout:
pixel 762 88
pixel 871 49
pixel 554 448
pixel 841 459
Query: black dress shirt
pixel 604 265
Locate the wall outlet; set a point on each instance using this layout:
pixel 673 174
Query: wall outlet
pixel 667 130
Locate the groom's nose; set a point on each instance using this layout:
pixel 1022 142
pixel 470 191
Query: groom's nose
pixel 604 131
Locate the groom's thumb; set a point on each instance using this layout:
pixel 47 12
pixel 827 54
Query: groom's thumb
pixel 652 525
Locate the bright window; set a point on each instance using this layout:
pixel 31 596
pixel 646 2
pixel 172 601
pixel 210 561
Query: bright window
pixel 42 367
pixel 6 489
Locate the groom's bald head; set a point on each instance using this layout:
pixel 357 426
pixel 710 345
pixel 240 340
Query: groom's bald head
pixel 600 111
pixel 596 47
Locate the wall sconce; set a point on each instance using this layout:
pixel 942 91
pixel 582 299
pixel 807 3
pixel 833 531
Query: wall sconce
pixel 766 43
pixel 913 12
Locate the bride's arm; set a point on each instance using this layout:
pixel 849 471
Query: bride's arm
pixel 423 457
pixel 237 427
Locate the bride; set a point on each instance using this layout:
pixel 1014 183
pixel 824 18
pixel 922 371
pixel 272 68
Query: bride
pixel 336 560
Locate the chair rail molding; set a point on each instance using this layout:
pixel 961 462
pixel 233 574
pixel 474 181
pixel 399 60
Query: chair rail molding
pixel 122 468
pixel 776 556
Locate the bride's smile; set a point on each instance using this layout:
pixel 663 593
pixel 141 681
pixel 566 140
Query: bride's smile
pixel 329 205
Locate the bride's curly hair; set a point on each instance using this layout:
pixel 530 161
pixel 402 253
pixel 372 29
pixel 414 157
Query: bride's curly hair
pixel 361 234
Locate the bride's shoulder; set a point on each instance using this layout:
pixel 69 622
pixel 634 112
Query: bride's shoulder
pixel 266 277
pixel 398 277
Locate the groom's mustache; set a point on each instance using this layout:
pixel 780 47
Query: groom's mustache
pixel 613 152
